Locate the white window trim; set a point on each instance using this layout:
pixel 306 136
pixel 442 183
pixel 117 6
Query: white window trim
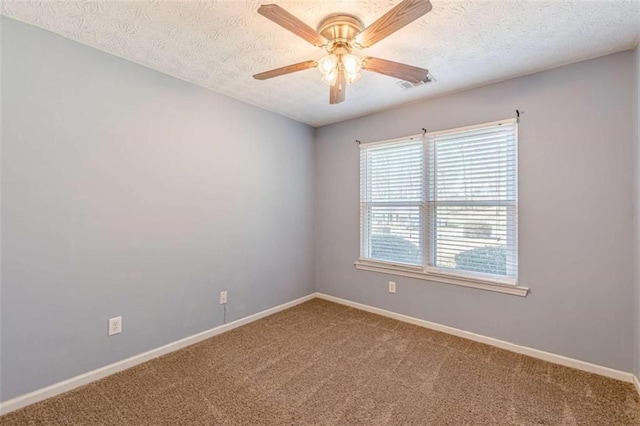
pixel 417 272
pixel 441 275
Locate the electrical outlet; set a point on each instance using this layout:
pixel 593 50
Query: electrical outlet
pixel 115 326
pixel 392 287
pixel 223 297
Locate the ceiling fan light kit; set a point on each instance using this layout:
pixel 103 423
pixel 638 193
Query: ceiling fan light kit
pixel 332 65
pixel 339 35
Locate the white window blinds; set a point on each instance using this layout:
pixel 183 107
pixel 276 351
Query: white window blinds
pixel 472 200
pixel 446 202
pixel 392 182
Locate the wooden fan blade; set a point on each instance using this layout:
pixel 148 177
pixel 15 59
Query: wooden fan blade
pixel 286 70
pixel 395 69
pixel 403 14
pixel 338 90
pixel 293 24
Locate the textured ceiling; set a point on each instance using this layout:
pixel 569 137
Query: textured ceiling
pixel 221 44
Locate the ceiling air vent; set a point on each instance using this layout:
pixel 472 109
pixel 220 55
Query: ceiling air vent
pixel 409 85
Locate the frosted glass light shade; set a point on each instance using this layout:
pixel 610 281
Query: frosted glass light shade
pixel 351 63
pixel 352 77
pixel 330 77
pixel 327 64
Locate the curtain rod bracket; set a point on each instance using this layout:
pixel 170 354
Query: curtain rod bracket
pixel 358 142
pixel 424 131
pixel 518 115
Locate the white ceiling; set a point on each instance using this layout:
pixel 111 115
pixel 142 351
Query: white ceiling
pixel 221 44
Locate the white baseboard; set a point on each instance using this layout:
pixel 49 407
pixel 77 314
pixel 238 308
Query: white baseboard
pixel 535 353
pixel 92 376
pixel 636 383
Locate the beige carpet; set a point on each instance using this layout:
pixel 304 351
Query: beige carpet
pixel 323 363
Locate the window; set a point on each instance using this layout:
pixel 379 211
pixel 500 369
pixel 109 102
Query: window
pixel 443 206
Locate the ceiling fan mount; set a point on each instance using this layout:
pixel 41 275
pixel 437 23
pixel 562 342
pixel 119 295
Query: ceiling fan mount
pixel 340 28
pixel 339 34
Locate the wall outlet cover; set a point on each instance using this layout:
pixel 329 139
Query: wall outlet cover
pixel 115 326
pixel 392 287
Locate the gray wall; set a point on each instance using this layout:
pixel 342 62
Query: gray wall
pixel 128 192
pixel 575 221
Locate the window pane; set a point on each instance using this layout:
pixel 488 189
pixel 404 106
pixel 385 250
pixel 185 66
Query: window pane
pixel 395 234
pixel 476 166
pixel 472 238
pixel 392 173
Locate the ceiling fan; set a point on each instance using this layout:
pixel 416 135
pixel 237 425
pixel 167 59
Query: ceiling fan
pixel 339 34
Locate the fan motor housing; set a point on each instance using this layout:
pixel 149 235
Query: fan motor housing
pixel 340 27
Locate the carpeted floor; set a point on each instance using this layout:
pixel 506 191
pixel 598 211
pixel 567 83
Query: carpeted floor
pixel 323 363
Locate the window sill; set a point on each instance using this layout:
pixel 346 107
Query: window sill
pixel 418 273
